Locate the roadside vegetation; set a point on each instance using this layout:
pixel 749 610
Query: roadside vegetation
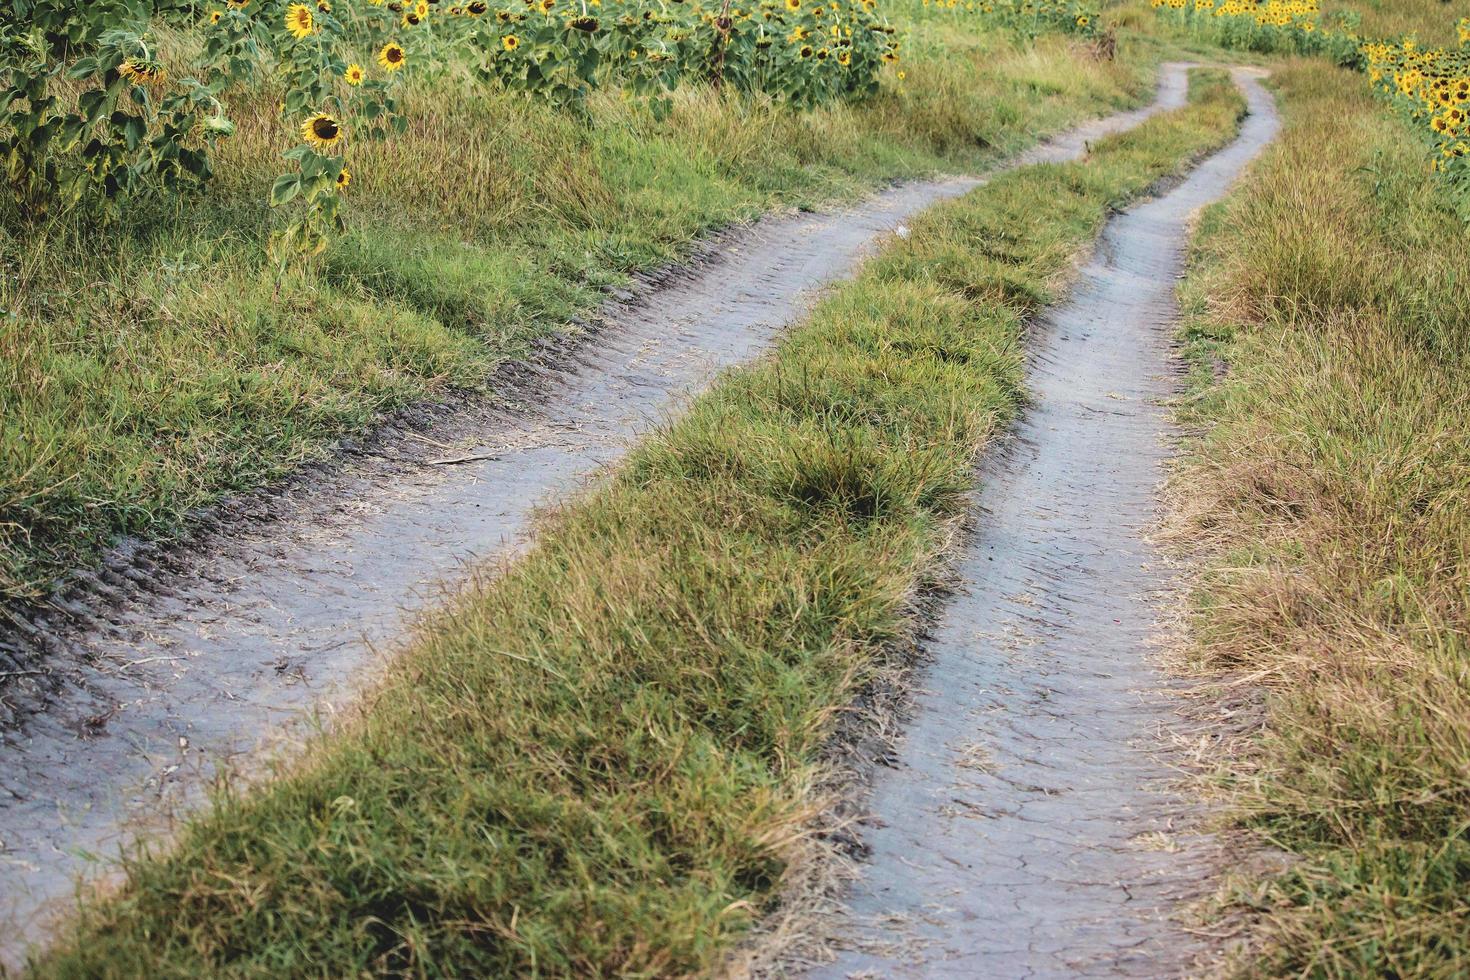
pixel 1428 83
pixel 1329 504
pixel 1268 26
pixel 601 762
pixel 157 358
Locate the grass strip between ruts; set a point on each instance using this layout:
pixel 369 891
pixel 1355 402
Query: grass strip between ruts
pixel 599 763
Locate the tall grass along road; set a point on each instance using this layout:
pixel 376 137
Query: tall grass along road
pixel 601 761
pixel 1329 513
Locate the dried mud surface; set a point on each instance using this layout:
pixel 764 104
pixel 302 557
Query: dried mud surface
pixel 1032 823
pixel 136 682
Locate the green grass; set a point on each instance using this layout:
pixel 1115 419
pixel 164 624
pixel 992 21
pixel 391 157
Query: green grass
pixel 149 365
pixel 601 762
pixel 1331 503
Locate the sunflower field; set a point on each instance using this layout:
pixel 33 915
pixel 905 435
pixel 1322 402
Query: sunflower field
pixel 87 105
pixel 93 107
pixel 1431 86
pixel 1269 26
pixel 802 52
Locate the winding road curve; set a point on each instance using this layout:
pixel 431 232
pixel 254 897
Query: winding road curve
pixel 1030 829
pixel 221 654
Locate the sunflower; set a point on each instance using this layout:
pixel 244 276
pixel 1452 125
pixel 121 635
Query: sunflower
pixel 806 51
pixel 476 8
pixel 793 5
pixel 299 20
pixel 822 54
pixel 587 25
pixel 412 18
pixel 510 42
pixel 324 6
pixel 344 177
pixel 845 58
pixel 322 131
pixel 239 4
pixel 214 18
pixel 354 74
pixel 1083 20
pixel 391 57
pixel 142 72
pixel 902 75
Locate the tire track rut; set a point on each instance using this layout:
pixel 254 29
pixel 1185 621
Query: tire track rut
pixel 1030 828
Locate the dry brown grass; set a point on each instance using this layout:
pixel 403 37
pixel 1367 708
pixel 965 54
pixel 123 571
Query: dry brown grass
pixel 1331 498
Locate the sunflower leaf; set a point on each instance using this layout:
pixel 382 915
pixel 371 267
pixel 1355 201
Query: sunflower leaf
pixel 286 187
